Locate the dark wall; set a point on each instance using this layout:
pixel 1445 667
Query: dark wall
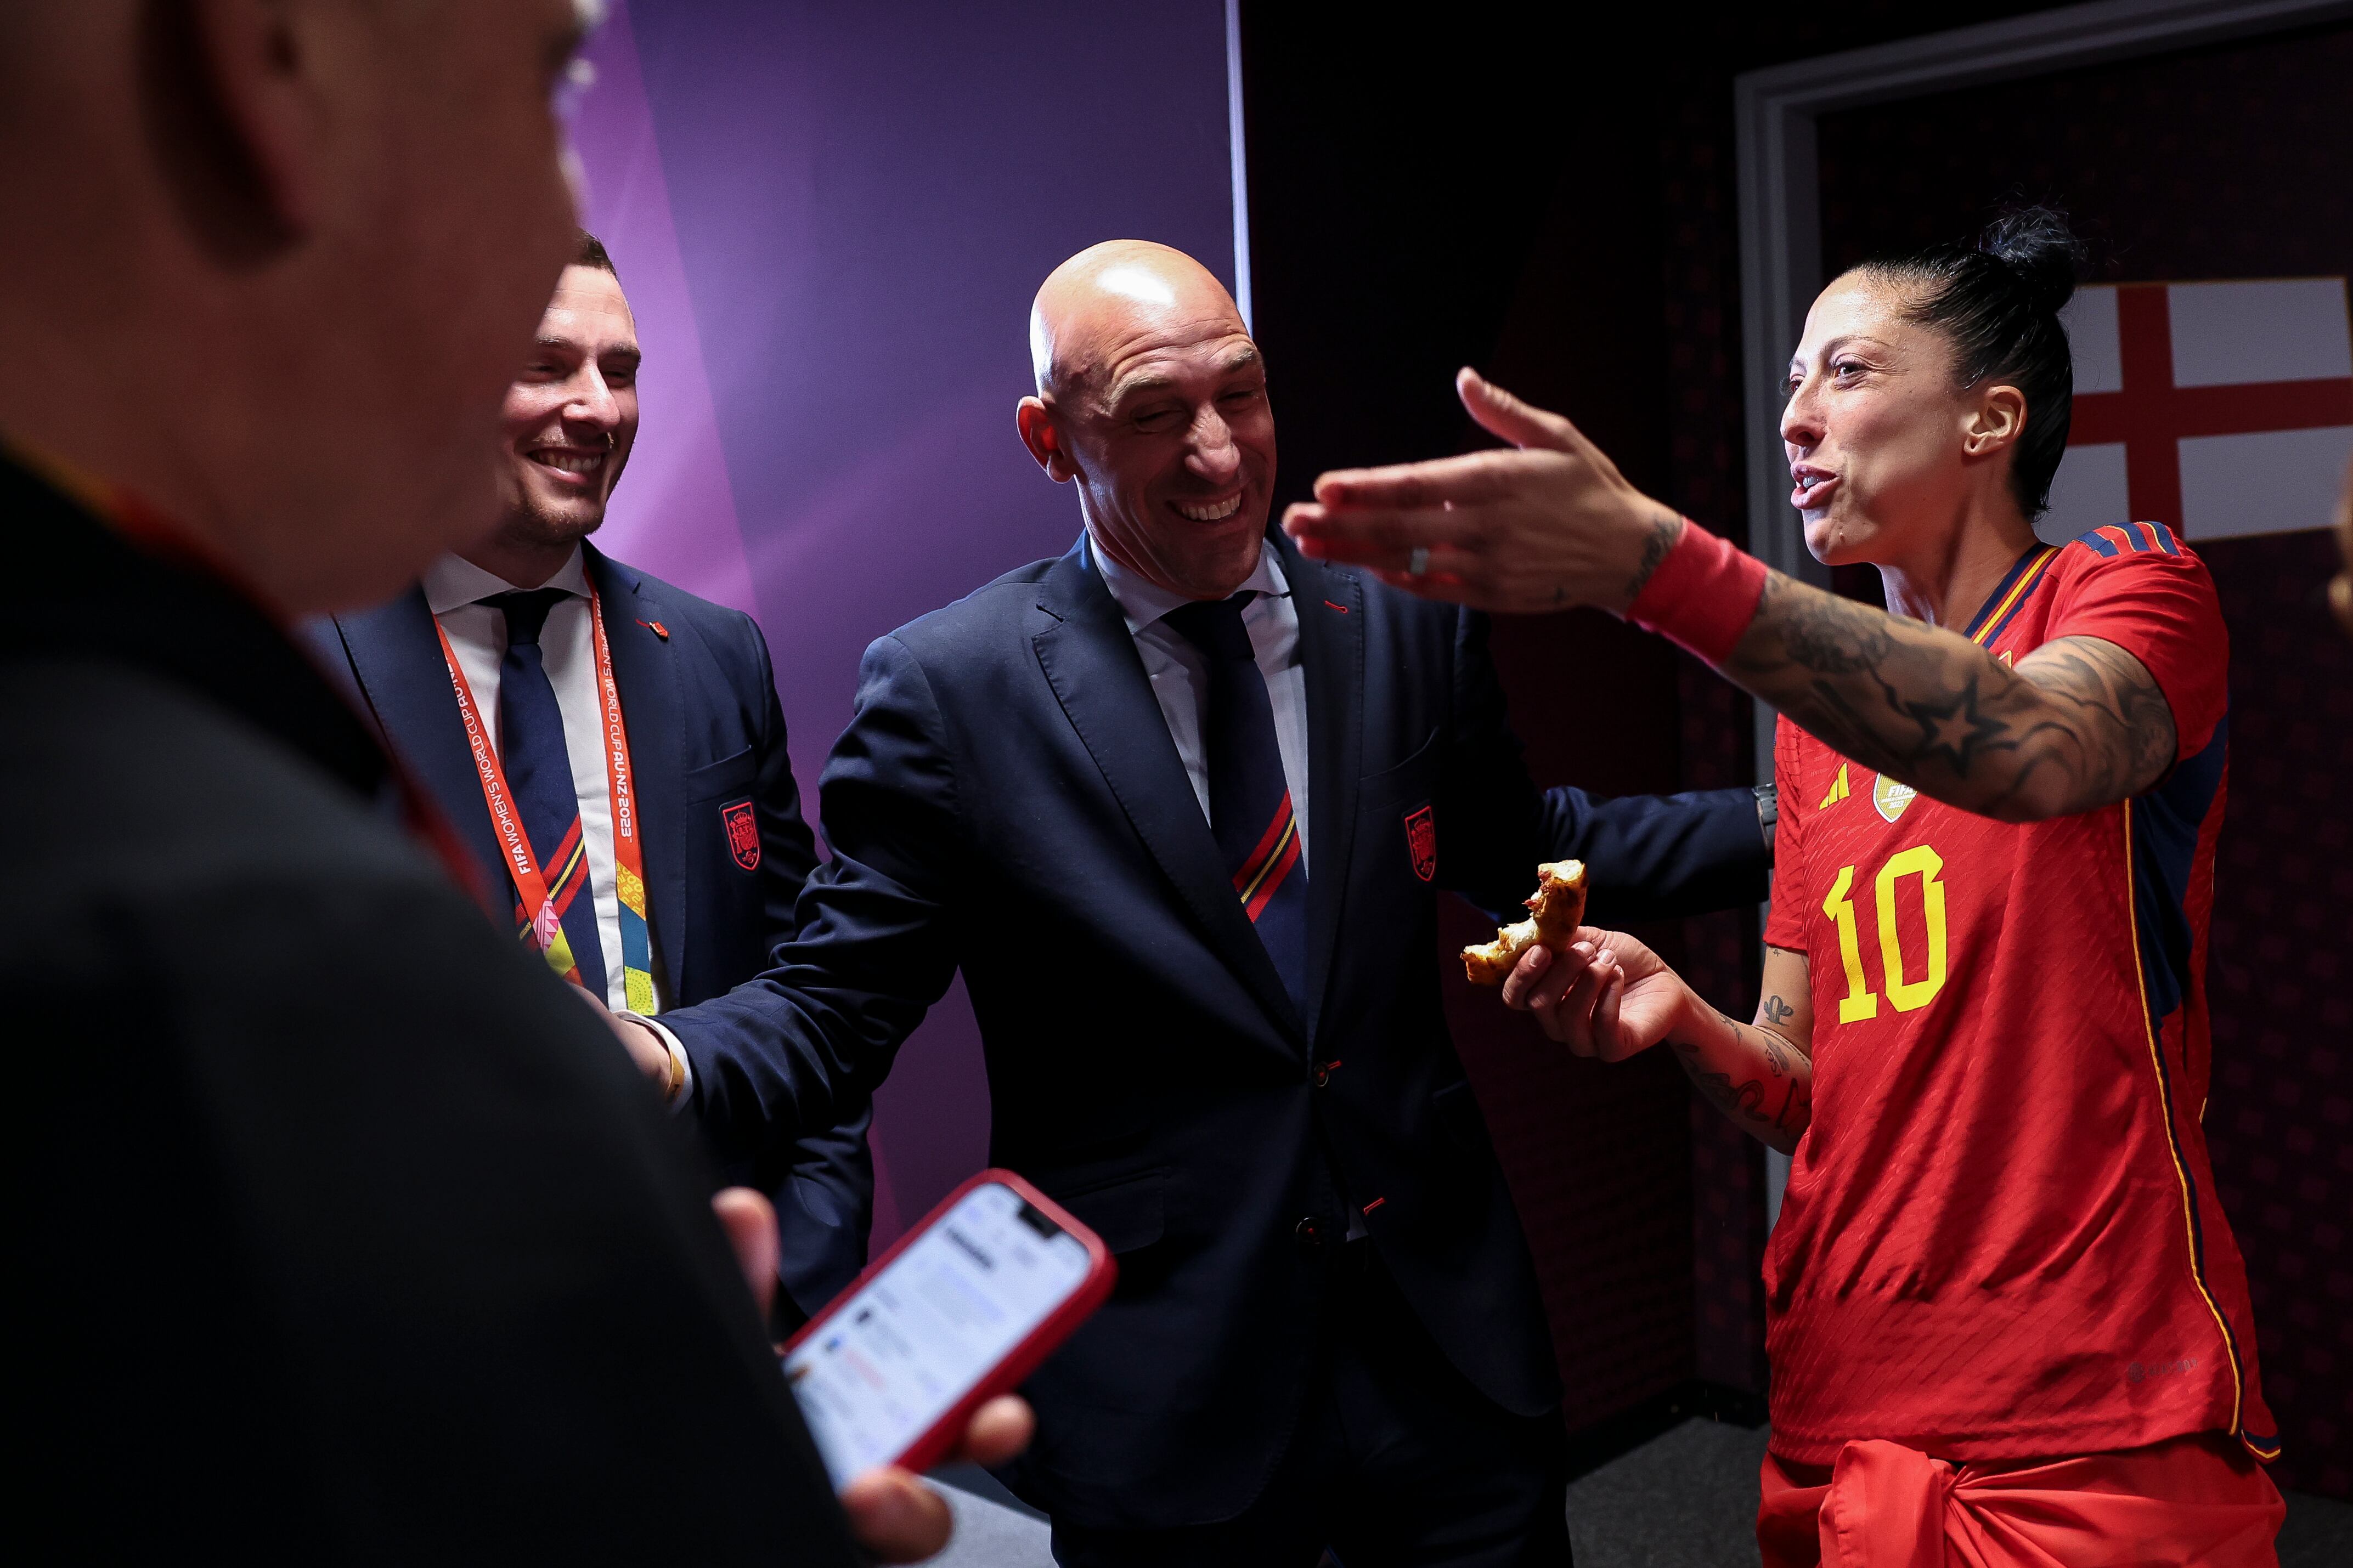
pixel 1412 210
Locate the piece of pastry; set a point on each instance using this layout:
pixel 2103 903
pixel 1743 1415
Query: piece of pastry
pixel 1556 911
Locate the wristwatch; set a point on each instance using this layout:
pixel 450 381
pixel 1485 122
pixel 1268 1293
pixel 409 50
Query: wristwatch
pixel 1768 806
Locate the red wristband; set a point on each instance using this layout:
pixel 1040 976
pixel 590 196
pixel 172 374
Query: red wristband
pixel 1702 595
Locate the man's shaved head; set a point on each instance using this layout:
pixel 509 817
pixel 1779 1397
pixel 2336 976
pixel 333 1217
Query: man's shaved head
pixel 1152 398
pixel 1106 287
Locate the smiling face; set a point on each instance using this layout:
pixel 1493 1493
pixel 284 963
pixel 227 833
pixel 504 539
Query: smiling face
pixel 1154 403
pixel 572 417
pixel 1886 454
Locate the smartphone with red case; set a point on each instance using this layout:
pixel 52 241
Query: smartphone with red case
pixel 961 1309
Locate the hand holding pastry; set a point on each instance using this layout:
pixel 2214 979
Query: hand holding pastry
pixel 1556 910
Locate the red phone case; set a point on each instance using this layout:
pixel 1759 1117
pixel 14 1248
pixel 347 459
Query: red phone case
pixel 1024 1358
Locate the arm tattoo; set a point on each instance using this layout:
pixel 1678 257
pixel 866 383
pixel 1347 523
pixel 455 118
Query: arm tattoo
pixel 1778 1011
pixel 1831 636
pixel 1740 1101
pixel 2079 724
pixel 1666 530
pixel 1784 1105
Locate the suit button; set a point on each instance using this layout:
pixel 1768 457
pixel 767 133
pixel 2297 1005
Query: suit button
pixel 1309 1233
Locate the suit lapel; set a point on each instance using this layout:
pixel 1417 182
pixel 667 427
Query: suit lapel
pixel 1331 610
pixel 1090 663
pixel 653 709
pixel 396 657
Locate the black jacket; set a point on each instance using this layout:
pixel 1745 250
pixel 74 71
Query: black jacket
pixel 1007 800
pixel 315 1262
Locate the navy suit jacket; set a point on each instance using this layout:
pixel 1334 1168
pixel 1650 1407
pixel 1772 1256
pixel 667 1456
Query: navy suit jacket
pixel 705 732
pixel 1007 800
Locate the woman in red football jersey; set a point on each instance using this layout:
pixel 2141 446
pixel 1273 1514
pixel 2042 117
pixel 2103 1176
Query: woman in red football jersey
pixel 2005 1312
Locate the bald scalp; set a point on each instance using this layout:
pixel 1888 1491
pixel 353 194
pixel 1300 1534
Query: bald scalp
pixel 1106 293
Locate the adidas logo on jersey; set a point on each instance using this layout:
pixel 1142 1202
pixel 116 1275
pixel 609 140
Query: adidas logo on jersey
pixel 1840 790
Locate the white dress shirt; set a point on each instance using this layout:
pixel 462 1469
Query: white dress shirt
pixel 454 590
pixel 1180 674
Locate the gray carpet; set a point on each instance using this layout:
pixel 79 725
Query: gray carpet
pixel 1687 1496
pixel 990 1535
pixel 1686 1499
pixel 993 1529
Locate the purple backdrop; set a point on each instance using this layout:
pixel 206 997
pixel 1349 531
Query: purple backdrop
pixel 829 221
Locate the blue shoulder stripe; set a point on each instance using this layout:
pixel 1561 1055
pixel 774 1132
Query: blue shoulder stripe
pixel 2139 539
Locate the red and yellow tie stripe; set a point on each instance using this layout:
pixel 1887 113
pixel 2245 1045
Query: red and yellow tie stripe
pixel 1276 853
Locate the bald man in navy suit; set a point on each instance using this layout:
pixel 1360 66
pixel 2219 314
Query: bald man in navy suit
pixel 1178 805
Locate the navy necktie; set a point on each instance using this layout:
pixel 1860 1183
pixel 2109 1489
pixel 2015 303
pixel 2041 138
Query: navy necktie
pixel 1250 800
pixel 539 775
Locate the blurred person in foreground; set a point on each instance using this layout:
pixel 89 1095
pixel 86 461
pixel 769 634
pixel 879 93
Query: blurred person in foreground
pixel 317 1260
pixel 653 860
pixel 2007 1316
pixel 1180 804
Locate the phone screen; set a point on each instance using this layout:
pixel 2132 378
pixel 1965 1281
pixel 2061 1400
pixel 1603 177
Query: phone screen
pixel 884 1366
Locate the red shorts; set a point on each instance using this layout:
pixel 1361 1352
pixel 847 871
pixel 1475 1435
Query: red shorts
pixel 2198 1499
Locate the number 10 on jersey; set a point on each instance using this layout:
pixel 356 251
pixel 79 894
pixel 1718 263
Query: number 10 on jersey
pixel 1907 992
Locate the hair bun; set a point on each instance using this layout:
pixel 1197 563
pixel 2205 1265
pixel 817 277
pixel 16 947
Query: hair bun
pixel 2038 247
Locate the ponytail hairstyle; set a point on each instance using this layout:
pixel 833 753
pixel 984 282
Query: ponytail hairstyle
pixel 1996 301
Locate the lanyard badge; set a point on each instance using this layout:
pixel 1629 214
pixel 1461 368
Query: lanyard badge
pixel 543 924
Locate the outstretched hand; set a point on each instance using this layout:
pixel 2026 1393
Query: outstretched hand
pixel 892 1512
pixel 1604 995
pixel 1546 526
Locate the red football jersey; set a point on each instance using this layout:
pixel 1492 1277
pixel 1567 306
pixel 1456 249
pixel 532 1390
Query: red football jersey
pixel 2000 1238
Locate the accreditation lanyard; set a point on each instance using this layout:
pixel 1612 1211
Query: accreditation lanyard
pixel 543 924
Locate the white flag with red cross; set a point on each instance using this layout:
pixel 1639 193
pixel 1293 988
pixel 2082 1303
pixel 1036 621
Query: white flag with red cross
pixel 2216 408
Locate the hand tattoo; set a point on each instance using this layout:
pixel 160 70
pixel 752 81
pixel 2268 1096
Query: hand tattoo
pixel 1666 530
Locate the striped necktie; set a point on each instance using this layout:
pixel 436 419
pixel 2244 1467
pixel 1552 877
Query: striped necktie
pixel 539 775
pixel 1250 799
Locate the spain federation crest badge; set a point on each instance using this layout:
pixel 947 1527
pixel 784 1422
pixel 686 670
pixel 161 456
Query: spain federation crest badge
pixel 743 834
pixel 1422 840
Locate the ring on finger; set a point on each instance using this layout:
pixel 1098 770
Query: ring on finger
pixel 1418 562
